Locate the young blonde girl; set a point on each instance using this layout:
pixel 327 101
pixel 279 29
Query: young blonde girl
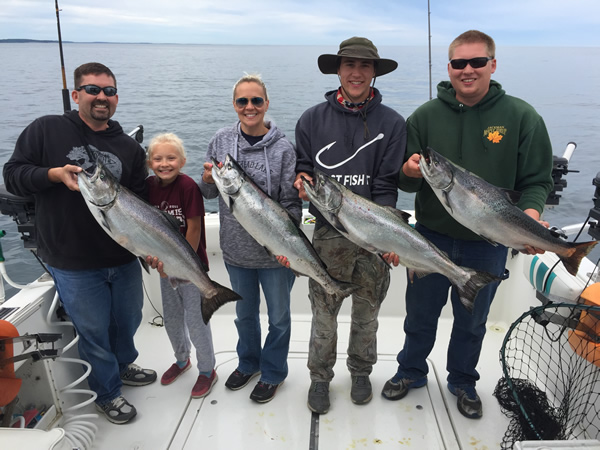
pixel 177 194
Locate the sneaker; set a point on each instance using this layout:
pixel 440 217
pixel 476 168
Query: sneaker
pixel 174 372
pixel 134 375
pixel 468 402
pixel 238 380
pixel 361 391
pixel 264 392
pixel 397 387
pixel 204 384
pixel 318 397
pixel 118 410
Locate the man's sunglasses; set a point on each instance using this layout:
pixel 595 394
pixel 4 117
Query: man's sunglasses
pixel 475 63
pixel 92 89
pixel 243 101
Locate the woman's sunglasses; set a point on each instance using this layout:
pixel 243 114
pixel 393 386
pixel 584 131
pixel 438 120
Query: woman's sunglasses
pixel 243 101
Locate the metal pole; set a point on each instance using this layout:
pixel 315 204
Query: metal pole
pixel 65 91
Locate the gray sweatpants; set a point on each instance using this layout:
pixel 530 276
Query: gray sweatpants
pixel 345 261
pixel 184 324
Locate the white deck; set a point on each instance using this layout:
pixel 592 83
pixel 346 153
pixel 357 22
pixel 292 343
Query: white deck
pixel 426 419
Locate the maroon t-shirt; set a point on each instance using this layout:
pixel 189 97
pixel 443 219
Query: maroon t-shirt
pixel 183 200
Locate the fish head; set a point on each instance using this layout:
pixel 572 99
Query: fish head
pixel 97 185
pixel 229 175
pixel 326 193
pixel 437 170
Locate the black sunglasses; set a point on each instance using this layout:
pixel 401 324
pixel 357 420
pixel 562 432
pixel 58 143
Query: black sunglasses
pixel 243 101
pixel 475 63
pixel 92 89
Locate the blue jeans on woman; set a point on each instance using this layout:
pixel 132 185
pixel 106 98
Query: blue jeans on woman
pixel 270 360
pixel 105 306
pixel 425 298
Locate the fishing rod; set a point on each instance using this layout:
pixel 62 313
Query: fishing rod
pixel 429 30
pixel 65 91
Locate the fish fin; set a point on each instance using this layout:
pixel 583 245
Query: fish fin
pixel 104 223
pixel 401 214
pixel 421 273
pixel 339 226
pixel 447 202
pixel 495 244
pixel 385 262
pixel 576 253
pixel 512 195
pixel 477 280
pixel 222 295
pixel 172 220
pixel 144 264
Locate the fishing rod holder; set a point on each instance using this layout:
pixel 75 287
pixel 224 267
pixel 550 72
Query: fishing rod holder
pixel 594 230
pixel 560 167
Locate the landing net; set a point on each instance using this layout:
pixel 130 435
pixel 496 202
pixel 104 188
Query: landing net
pixel 550 360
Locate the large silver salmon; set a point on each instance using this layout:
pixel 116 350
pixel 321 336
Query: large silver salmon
pixel 146 231
pixel 270 225
pixel 491 213
pixel 381 229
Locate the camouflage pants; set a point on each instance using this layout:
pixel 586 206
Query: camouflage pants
pixel 345 261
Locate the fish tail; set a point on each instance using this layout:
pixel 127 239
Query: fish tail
pixel 468 291
pixel 576 253
pixel 344 289
pixel 219 298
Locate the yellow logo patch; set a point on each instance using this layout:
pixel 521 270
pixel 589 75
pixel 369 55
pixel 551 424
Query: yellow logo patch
pixel 495 134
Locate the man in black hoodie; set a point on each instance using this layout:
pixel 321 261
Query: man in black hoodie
pixel 356 139
pixel 99 282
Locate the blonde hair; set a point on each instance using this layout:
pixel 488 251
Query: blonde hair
pixel 473 37
pixel 251 78
pixel 166 138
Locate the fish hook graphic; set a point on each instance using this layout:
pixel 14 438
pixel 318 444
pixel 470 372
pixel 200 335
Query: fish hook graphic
pixel 335 166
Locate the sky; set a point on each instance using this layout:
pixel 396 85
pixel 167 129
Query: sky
pixel 303 22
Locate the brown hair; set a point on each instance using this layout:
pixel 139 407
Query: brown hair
pixel 92 68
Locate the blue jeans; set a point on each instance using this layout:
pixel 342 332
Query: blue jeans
pixel 105 306
pixel 425 298
pixel 276 285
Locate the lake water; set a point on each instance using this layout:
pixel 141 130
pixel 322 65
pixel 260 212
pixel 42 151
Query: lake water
pixel 186 89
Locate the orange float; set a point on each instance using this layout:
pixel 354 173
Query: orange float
pixel 9 383
pixel 585 339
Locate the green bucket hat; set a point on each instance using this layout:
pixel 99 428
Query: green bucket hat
pixel 356 47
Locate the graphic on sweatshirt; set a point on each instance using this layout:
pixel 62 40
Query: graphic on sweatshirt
pixel 495 134
pixel 79 156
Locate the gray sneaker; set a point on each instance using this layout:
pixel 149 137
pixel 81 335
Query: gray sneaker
pixel 397 387
pixel 468 402
pixel 318 397
pixel 134 375
pixel 118 410
pixel 361 391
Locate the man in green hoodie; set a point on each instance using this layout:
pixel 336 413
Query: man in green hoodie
pixel 503 140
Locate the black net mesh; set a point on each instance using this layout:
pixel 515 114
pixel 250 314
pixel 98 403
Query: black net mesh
pixel 550 387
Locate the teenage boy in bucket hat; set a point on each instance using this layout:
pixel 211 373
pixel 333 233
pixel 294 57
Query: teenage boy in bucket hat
pixel 353 137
